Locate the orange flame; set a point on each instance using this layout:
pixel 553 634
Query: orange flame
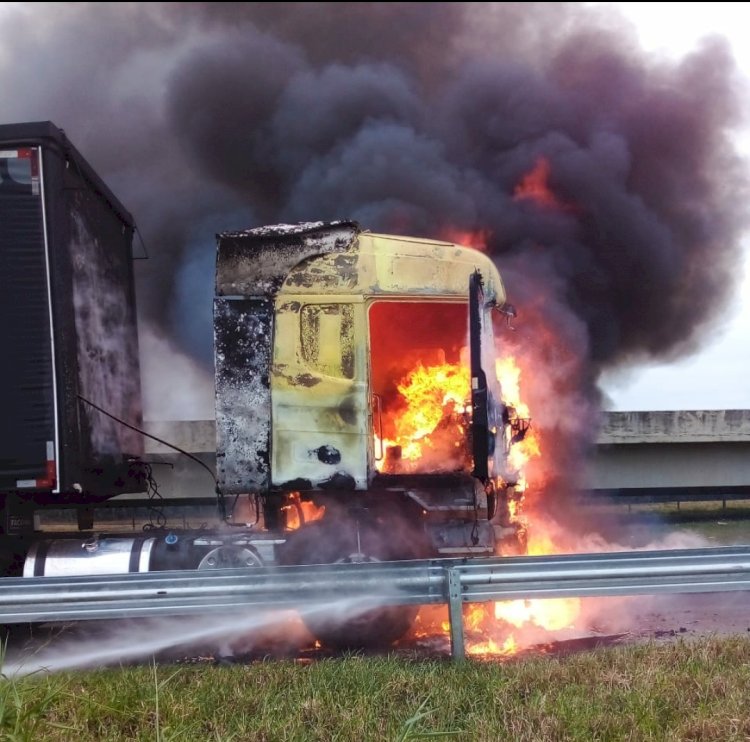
pixel 547 614
pixel 424 427
pixel 534 186
pixel 527 447
pixel 490 647
pixel 477 239
pixel 550 614
pixel 298 511
pixel 429 427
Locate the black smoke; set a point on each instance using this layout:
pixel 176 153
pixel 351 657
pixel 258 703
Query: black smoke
pixel 409 117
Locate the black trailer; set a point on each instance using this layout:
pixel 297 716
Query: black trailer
pixel 68 330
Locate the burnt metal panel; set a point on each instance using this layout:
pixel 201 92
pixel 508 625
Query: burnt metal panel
pixel 243 343
pixel 106 341
pixel 319 394
pixel 257 261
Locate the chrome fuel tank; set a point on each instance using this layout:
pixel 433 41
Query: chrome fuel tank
pixel 94 556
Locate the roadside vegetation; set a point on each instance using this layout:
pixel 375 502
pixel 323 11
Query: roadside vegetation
pixel 686 689
pixel 694 690
pixel 717 523
pixel 680 512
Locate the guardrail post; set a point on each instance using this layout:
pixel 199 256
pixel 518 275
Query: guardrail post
pixel 455 614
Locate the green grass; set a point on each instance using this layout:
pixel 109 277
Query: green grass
pixel 25 706
pixel 719 526
pixel 676 511
pixel 694 690
pixel 691 690
pixel 680 512
pixel 720 532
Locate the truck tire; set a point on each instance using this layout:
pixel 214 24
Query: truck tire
pixel 329 542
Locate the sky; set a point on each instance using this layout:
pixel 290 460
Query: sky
pixel 717 377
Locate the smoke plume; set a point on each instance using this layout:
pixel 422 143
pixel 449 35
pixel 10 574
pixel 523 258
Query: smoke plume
pixel 418 118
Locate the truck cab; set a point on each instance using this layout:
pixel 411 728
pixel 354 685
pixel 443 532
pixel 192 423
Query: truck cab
pixel 362 367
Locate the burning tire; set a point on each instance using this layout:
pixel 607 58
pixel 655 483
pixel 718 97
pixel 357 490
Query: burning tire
pixel 335 541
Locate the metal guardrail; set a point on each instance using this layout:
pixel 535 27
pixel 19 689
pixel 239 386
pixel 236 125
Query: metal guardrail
pixel 431 581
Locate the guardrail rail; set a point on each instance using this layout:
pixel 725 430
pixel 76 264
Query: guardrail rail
pixel 419 582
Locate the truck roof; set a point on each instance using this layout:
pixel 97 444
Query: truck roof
pixel 342 258
pixel 46 134
pixel 413 265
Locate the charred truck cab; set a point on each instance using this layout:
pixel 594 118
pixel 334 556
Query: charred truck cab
pixel 355 380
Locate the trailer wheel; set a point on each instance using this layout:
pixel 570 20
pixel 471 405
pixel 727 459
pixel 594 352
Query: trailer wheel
pixel 336 541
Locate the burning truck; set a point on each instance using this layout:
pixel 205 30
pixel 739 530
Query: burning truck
pixel 358 405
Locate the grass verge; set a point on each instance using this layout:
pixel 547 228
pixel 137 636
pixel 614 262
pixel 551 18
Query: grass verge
pixel 684 691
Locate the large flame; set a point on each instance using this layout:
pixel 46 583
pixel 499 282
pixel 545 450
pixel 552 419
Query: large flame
pixel 433 418
pixel 526 447
pixel 422 412
pixel 550 614
pixel 429 426
pixel 518 615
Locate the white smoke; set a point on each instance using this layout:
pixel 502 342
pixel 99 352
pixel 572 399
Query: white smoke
pixel 220 634
pixel 175 387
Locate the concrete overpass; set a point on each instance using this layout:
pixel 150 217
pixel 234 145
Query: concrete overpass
pixel 645 456
pixel 673 456
pixel 677 456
